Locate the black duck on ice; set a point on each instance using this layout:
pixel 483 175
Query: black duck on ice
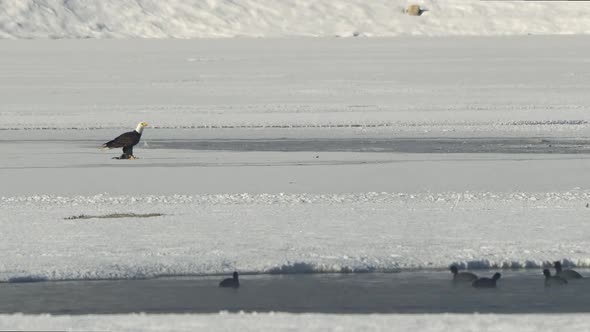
pixel 462 276
pixel 486 282
pixel 553 280
pixel 565 274
pixel 231 282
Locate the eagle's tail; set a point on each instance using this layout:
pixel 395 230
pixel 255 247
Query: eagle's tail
pixel 106 146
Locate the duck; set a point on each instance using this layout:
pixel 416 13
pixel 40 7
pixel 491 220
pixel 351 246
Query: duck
pixel 565 274
pixel 553 280
pixel 462 276
pixel 231 282
pixel 486 282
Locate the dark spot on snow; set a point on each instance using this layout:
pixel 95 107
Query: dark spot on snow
pixel 116 216
pixel 101 27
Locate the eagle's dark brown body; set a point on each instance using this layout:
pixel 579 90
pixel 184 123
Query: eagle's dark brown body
pixel 126 141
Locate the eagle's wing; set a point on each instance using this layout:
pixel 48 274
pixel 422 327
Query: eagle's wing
pixel 127 139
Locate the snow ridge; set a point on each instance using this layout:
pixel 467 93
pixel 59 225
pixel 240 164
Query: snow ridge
pixel 346 265
pixel 311 233
pixel 272 321
pixel 270 18
pixel 578 196
pixel 377 124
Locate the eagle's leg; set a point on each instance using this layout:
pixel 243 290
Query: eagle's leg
pixel 123 156
pixel 128 153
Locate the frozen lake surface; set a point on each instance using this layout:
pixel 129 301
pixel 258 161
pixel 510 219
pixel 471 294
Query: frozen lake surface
pixel 277 157
pixel 405 292
pixel 391 145
pixel 338 155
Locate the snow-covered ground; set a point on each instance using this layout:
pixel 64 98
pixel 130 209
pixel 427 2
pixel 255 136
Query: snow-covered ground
pixel 289 233
pixel 327 207
pixel 453 86
pixel 271 18
pixel 292 322
pixel 332 208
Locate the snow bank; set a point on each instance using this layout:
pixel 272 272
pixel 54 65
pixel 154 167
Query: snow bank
pixel 289 233
pixel 297 322
pixel 543 199
pixel 271 18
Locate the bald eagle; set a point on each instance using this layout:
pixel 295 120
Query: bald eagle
pixel 126 141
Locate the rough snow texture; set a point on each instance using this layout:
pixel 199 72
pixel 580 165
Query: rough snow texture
pixel 438 87
pixel 548 198
pixel 339 210
pixel 271 18
pixel 289 233
pixel 297 322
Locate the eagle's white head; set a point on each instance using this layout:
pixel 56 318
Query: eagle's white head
pixel 140 127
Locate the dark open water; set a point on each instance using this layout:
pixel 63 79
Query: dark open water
pixel 520 291
pixel 399 145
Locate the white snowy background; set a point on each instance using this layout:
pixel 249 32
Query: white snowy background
pixel 299 322
pixel 263 212
pixel 271 18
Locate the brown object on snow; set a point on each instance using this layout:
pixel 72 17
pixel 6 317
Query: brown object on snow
pixel 414 10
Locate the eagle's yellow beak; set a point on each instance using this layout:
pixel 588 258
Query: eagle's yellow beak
pixel 144 124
